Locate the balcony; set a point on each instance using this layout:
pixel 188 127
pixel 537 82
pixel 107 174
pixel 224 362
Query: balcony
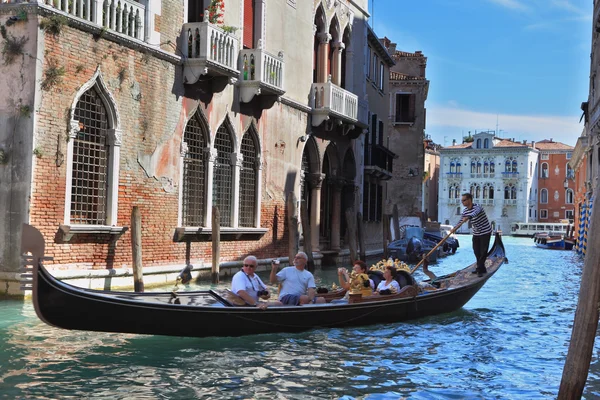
pixel 510 202
pixel 488 175
pixel 487 202
pixel 454 175
pixel 476 175
pixel 510 175
pixel 126 17
pixel 328 100
pixel 208 50
pixel 454 201
pixel 261 73
pixel 379 161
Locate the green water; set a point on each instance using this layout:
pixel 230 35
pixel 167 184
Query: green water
pixel 509 342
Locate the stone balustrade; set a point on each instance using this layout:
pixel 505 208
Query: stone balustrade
pixel 333 100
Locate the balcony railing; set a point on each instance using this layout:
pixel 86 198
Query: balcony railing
pixel 476 175
pixel 454 175
pixel 209 50
pixel 488 175
pixel 454 201
pixel 510 202
pixel 510 175
pixel 487 202
pixel 260 73
pixel 379 161
pixel 329 100
pixel 124 16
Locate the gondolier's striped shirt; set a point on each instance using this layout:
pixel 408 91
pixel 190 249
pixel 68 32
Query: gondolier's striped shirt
pixel 479 221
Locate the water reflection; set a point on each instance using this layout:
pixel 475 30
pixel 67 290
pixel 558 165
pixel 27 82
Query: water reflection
pixel 508 342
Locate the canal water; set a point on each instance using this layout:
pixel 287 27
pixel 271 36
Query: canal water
pixel 509 342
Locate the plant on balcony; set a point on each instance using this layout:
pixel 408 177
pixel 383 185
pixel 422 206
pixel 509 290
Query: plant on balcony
pixel 216 11
pixel 54 24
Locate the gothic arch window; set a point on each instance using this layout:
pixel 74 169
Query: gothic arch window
pixel 514 166
pixel 486 143
pixel 475 191
pixel 93 154
pixel 510 192
pixel 478 143
pixel 510 165
pixel 249 176
pixel 544 196
pixel 488 191
pixel 545 173
pixel 194 151
pixel 454 192
pixel 452 167
pixel 569 196
pixel 570 172
pixel 458 211
pixel 475 165
pixel 223 175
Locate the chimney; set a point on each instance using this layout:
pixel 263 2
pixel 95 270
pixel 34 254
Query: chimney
pixel 453 142
pixel 418 52
pixel 533 144
pixel 392 48
pixel 524 141
pixel 550 140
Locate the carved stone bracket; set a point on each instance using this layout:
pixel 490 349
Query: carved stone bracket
pixel 73 128
pixel 315 180
pixel 237 159
pixel 115 137
pixel 324 37
pixel 212 154
pixel 183 150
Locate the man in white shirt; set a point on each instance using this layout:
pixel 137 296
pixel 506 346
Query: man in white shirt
pixel 247 285
pixel 297 284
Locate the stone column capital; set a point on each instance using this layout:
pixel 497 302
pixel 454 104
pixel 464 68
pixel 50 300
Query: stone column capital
pixel 212 154
pixel 324 37
pixel 337 183
pixel 237 159
pixel 115 137
pixel 315 180
pixel 183 150
pixel 339 46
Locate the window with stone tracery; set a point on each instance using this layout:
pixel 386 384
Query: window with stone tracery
pixel 194 172
pixel 248 180
pixel 510 192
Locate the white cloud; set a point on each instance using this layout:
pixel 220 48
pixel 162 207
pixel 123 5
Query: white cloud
pixel 511 4
pixel 444 121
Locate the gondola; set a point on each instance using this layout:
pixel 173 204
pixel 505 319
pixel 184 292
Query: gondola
pixel 208 313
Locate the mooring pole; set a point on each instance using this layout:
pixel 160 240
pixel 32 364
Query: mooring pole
pixel 136 249
pixel 585 325
pixel 216 244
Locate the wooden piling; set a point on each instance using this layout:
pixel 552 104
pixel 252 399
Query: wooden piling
pixel 216 244
pixel 351 223
pixel 136 249
pixel 581 346
pixel 396 222
pixel 307 236
pixel 292 226
pixel 386 235
pixel 361 237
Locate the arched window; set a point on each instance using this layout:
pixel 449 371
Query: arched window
pixel 90 162
pixel 488 191
pixel 544 196
pixel 248 180
pixel 478 143
pixel 473 167
pixel 570 172
pixel 194 172
pixel 513 192
pixel 514 166
pixel 458 166
pixel 475 191
pixel 569 196
pixel 223 175
pixel 510 192
pixel 545 170
pixel 452 167
pixel 492 167
pixel 507 166
pixel 478 166
pixel 458 211
pixel 486 143
pixel 486 167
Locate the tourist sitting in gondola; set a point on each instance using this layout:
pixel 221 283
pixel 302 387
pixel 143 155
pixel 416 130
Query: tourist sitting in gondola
pixel 297 284
pixel 359 267
pixel 389 285
pixel 247 285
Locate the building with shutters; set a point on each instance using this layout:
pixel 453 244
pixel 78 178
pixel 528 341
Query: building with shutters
pixel 176 110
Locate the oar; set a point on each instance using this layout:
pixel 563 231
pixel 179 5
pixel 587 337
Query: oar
pixel 437 245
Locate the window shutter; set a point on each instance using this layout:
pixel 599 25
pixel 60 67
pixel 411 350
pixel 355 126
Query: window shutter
pixel 381 133
pixel 374 129
pixel 248 30
pixel 398 107
pixel 411 108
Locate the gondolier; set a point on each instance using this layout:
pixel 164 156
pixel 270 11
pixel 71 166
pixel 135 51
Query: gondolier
pixel 482 231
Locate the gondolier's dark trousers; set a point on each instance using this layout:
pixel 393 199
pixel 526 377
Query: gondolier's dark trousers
pixel 480 248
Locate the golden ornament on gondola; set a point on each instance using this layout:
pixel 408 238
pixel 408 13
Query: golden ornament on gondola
pixel 381 265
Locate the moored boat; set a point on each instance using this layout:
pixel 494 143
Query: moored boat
pixel 209 313
pixel 553 242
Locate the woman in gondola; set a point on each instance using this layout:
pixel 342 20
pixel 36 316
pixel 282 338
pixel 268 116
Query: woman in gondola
pixel 360 268
pixel 389 285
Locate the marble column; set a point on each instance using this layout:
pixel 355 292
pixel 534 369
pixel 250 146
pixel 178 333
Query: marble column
pixel 337 185
pixel 237 160
pixel 212 157
pixel 316 182
pixel 336 63
pixel 323 57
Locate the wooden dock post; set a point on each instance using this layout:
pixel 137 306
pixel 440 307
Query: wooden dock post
pixel 292 226
pixel 581 346
pixel 216 244
pixel 136 249
pixel 396 222
pixel 351 223
pixel 307 236
pixel 386 235
pixel 361 237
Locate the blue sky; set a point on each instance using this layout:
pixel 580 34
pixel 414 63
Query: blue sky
pixel 524 63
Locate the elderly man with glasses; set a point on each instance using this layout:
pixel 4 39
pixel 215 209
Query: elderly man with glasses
pixel 247 285
pixel 297 284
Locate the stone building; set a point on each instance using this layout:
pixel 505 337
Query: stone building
pixel 501 174
pixel 556 200
pixel 378 158
pixel 581 182
pixel 408 92
pixel 431 176
pixel 160 105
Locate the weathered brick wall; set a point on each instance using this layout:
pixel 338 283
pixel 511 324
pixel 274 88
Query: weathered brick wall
pixel 169 25
pixel 147 95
